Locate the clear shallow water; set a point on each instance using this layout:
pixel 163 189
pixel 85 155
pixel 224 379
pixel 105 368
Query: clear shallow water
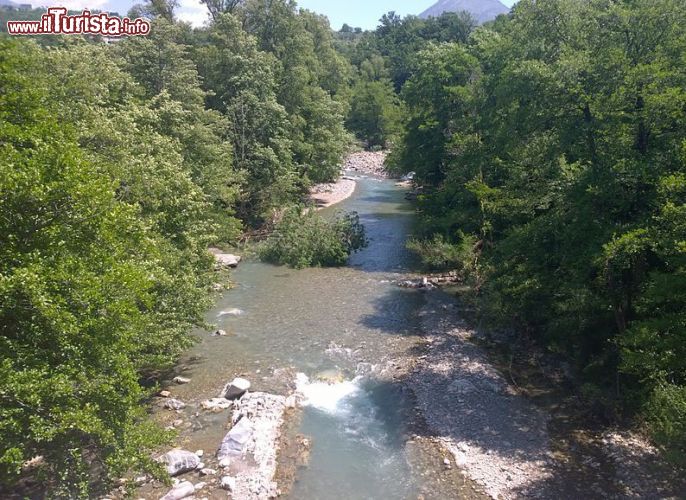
pixel 324 323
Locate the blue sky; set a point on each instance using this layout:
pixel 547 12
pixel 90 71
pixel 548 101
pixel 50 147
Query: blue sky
pixel 357 13
pixel 366 13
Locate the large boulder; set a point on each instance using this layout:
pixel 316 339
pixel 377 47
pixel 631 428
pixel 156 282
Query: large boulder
pixel 182 490
pixel 236 388
pixel 227 259
pixel 180 461
pixel 236 440
pixel 250 448
pixel 461 386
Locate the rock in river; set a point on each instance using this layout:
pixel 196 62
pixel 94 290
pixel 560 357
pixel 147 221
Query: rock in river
pixel 227 259
pixel 182 380
pixel 235 442
pixel 252 445
pixel 231 312
pixel 216 405
pixel 180 461
pixel 174 404
pixel 236 388
pixel 182 490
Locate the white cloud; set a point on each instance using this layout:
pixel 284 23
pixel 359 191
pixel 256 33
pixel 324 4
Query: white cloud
pixel 192 11
pixel 79 4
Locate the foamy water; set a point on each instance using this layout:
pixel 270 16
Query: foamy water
pixel 327 397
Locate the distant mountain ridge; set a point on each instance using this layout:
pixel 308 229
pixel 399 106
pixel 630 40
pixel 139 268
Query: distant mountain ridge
pixel 481 10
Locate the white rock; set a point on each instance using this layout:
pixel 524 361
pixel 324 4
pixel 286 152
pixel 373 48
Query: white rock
pixel 182 380
pixel 208 472
pixel 216 404
pixel 164 394
pixel 228 260
pixel 174 404
pixel 228 483
pixel 235 441
pixel 200 486
pixel 236 388
pixel 231 312
pixel 180 461
pixel 180 491
pixel 220 333
pixel 225 463
pixel 200 453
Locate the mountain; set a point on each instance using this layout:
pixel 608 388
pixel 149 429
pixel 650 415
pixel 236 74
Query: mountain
pixel 481 10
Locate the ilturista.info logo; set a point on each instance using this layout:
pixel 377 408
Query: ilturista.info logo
pixel 56 21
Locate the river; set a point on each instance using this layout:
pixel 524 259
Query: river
pixel 324 324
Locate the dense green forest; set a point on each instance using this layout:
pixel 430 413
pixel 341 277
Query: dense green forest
pixel 551 149
pixel 549 145
pixel 119 165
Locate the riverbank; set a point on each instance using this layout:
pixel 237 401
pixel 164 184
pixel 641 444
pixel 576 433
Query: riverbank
pixel 362 163
pixel 368 163
pixel 326 195
pixel 395 395
pixel 515 435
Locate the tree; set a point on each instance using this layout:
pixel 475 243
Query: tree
pixel 93 295
pixel 243 88
pixel 555 141
pixel 219 7
pixel 309 76
pixel 374 116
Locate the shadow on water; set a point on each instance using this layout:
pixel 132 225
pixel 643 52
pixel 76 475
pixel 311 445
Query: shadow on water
pixel 395 312
pixel 541 425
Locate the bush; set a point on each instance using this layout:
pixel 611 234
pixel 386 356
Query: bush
pixel 305 239
pixel 666 416
pixel 438 254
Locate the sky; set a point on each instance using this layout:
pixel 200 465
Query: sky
pixel 366 13
pixel 357 13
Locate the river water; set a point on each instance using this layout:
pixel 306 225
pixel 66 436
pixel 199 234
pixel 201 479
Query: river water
pixel 327 326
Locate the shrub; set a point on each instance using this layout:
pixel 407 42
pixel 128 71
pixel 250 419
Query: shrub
pixel 438 254
pixel 305 239
pixel 666 415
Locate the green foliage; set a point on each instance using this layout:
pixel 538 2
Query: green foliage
pixel 555 139
pixel 92 296
pixel 311 81
pixel 305 239
pixel 119 165
pixel 374 115
pixel 438 254
pixel 665 413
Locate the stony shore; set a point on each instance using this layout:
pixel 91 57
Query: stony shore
pixel 497 437
pixel 326 195
pixel 502 440
pixel 362 164
pixel 367 163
